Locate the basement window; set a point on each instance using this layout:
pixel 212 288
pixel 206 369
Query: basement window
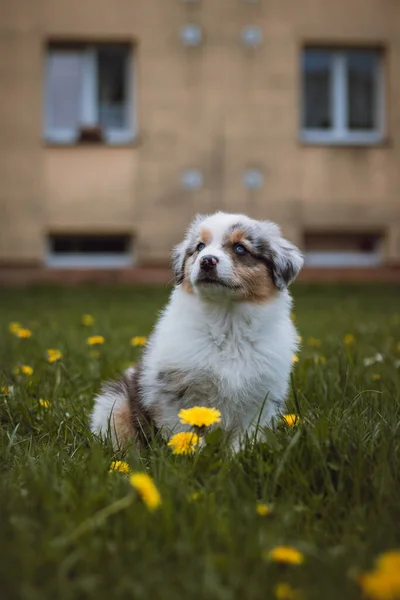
pixel 89 251
pixel 342 249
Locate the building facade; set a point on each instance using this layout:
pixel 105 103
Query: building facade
pixel 121 119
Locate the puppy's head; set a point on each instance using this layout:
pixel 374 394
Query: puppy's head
pixel 226 255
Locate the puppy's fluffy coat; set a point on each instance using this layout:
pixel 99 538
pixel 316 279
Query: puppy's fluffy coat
pixel 224 340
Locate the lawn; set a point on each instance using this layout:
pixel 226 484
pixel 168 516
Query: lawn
pixel 70 529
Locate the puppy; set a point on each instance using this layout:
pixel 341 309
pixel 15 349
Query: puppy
pixel 225 339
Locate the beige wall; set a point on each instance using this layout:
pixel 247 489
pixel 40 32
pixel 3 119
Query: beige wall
pixel 219 108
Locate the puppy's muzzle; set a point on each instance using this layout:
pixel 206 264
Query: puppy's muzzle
pixel 208 263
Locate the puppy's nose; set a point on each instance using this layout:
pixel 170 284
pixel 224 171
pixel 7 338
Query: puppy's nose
pixel 208 262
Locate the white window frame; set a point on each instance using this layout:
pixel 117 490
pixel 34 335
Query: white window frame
pixel 339 133
pixel 88 99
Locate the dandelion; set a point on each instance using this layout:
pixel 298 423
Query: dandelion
pixel 87 320
pixel 6 390
pixel 284 591
pixel 120 466
pixel 295 359
pixel 44 403
pixel 349 339
pixel 146 489
pixel 14 326
pixel 24 334
pixel 23 370
pixel 138 340
pixel 199 416
pixel 184 442
pixel 263 509
pixel 285 555
pixel 95 340
pixel 291 419
pixel 389 561
pixel 314 342
pixel 195 496
pixel 53 355
pixel 380 585
pixel 376 377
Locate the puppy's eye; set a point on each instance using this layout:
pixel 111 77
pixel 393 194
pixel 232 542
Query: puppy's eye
pixel 200 247
pixel 239 249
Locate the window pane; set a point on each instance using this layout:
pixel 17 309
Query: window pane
pixel 361 89
pixel 64 89
pixel 113 87
pixel 317 111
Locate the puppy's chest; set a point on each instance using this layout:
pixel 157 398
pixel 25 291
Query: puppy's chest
pixel 222 368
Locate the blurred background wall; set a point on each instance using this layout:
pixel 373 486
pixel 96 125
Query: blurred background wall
pixel 120 119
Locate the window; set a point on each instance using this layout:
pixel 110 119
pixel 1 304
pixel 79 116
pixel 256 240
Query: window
pixel 343 96
pixel 342 249
pixel 88 250
pixel 89 93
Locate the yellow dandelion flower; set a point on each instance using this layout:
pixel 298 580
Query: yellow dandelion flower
pixel 138 340
pixel 349 339
pixel 23 370
pixel 263 509
pixel 380 585
pixel 14 326
pixel 295 359
pixel 285 554
pixel 6 390
pixel 95 340
pixel 53 355
pixel 87 320
pixel 284 591
pixel 195 496
pixel 146 489
pixel 44 403
pixel 120 466
pixel 291 419
pixel 313 342
pixel 24 334
pixel 199 416
pixel 389 561
pixel 376 377
pixel 184 442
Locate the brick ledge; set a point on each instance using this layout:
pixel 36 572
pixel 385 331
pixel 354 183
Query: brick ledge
pixel 24 275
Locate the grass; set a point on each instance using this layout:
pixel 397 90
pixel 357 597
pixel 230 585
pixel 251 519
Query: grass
pixel 69 529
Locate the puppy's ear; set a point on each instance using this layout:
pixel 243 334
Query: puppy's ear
pixel 181 252
pixel 284 258
pixel 179 255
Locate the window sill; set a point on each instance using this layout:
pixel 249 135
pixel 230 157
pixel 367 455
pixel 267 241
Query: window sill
pixel 132 143
pixel 379 142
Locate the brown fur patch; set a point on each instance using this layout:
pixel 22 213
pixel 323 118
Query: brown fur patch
pixel 122 424
pixel 237 236
pixel 186 285
pixel 205 235
pixel 251 271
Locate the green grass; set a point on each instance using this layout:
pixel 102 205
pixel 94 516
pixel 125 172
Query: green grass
pixel 333 480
